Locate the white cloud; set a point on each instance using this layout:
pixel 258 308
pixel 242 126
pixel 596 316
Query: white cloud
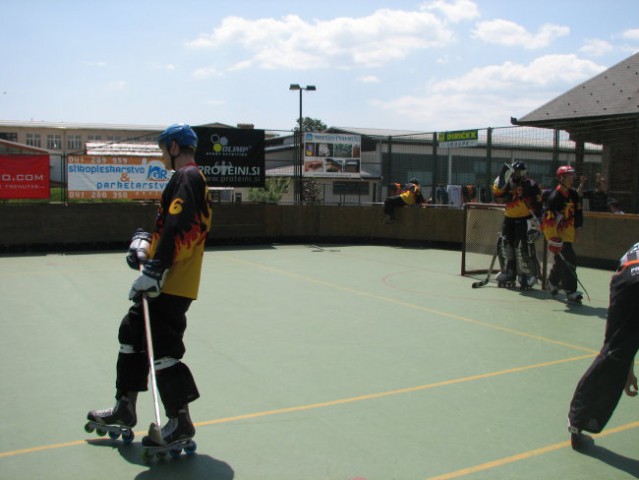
pixel 455 11
pixel 369 79
pixel 489 96
pixel 596 48
pixel 511 34
pixel 206 72
pixel 549 69
pixel 291 42
pixel 117 85
pixel 170 67
pixel 632 34
pixel 99 64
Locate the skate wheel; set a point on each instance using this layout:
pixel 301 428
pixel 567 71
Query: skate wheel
pixel 147 455
pixel 190 448
pixel 100 432
pixel 176 452
pixel 127 437
pixel 578 441
pixel 114 435
pixel 162 454
pixel 89 428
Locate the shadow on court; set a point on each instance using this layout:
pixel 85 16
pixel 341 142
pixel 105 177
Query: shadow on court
pixel 187 467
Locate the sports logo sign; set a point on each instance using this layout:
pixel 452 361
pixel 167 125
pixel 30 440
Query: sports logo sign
pixel 231 157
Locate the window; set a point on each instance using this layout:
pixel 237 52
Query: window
pixel 350 188
pixel 10 136
pixel 54 142
pixel 94 138
pixel 33 139
pixel 74 142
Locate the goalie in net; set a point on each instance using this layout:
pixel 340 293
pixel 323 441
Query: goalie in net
pixel 508 231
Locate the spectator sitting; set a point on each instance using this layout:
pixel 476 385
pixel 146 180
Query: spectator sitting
pixel 409 195
pixel 614 207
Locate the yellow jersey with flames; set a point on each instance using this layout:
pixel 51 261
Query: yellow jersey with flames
pixel 181 229
pixel 522 198
pixel 563 215
pixel 410 194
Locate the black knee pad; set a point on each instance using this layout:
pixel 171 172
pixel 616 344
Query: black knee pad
pixel 177 388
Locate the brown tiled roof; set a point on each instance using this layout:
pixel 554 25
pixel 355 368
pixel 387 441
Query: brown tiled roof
pixel 612 93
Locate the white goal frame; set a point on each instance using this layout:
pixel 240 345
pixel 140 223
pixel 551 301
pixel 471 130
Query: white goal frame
pixel 482 229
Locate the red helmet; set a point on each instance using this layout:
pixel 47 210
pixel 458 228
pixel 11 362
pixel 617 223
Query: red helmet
pixel 565 170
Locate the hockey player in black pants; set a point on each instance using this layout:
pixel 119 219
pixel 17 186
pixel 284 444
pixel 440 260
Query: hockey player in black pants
pixel 612 372
pixel 170 280
pixel 562 218
pixel 516 247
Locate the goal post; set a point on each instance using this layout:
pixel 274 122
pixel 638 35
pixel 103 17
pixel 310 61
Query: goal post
pixel 482 228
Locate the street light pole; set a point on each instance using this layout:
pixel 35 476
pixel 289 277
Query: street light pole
pixel 299 164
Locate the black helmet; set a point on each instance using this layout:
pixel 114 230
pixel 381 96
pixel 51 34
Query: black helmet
pixel 519 170
pixel 415 181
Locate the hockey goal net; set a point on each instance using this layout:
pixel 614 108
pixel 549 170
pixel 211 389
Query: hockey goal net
pixel 482 229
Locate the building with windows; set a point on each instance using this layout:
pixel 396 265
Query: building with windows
pixel 67 138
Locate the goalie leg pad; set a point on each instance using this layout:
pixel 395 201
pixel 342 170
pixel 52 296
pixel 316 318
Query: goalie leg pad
pixel 527 261
pixel 506 254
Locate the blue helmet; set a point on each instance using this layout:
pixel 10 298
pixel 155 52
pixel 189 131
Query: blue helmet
pixel 182 133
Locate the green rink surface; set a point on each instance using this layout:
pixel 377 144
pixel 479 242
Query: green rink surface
pixel 313 362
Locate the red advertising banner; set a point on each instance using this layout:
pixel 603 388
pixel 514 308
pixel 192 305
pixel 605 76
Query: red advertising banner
pixel 24 176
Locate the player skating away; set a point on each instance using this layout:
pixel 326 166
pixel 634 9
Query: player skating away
pixel 170 280
pixel 516 248
pixel 561 219
pixel 612 372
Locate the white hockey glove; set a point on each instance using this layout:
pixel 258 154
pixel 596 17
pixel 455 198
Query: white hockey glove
pixel 139 249
pixel 507 175
pixel 149 282
pixel 534 229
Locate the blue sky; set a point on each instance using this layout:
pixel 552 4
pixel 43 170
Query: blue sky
pixel 416 65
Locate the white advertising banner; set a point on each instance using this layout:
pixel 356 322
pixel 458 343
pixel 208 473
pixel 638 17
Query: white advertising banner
pixel 332 155
pixel 102 177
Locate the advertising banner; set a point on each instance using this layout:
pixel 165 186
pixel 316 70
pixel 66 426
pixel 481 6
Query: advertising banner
pixel 24 176
pixel 231 157
pixel 458 138
pixel 100 177
pixel 332 155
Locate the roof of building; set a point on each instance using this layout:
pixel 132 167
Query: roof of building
pixel 101 126
pixel 289 171
pixel 614 92
pixel 18 148
pixel 381 132
pixel 128 149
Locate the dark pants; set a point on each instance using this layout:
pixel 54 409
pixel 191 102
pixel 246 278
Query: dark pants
pixel 168 323
pixel 562 274
pixel 391 203
pixel 601 387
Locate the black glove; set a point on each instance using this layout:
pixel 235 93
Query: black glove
pixel 139 249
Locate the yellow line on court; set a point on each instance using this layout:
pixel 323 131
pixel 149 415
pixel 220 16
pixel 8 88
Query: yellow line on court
pixel 41 448
pixel 414 306
pixel 525 455
pixel 330 403
pixel 372 396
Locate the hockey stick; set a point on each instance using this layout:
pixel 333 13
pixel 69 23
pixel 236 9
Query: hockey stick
pixel 573 269
pixel 490 269
pixel 155 431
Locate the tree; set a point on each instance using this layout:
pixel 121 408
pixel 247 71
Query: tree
pixel 274 188
pixel 311 125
